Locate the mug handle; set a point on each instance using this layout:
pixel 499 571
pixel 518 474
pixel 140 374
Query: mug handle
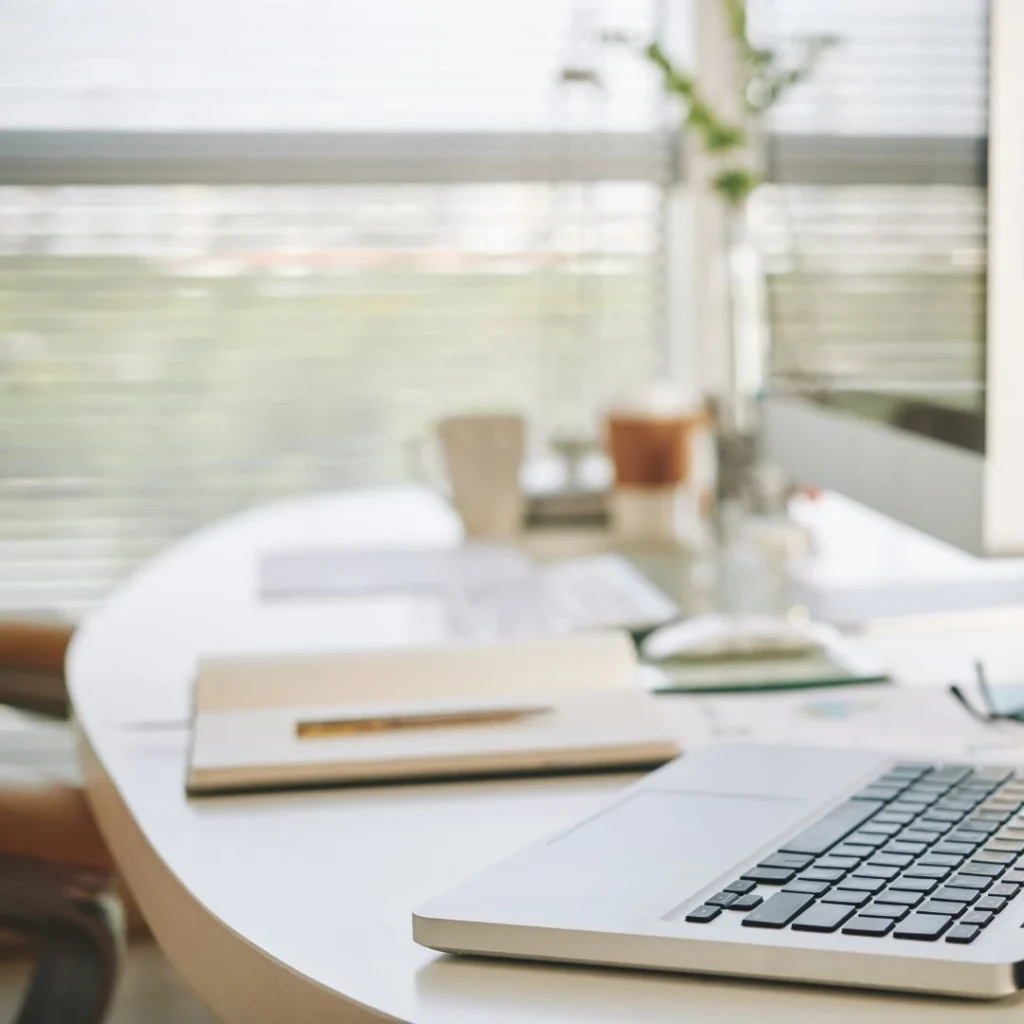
pixel 423 462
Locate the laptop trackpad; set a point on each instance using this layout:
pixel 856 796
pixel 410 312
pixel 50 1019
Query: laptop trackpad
pixel 654 849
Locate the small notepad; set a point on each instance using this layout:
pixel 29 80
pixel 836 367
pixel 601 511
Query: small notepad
pixel 247 712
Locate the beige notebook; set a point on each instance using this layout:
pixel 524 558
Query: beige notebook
pixel 567 704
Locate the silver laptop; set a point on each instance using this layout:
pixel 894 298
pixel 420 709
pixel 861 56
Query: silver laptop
pixel 816 865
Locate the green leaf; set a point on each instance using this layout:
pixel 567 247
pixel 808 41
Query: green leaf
pixel 736 184
pixel 718 137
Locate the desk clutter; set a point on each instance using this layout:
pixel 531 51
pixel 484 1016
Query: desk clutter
pixel 488 591
pixel 925 721
pixel 565 704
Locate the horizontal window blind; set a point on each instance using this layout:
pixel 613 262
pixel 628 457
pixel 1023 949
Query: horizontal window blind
pixel 875 271
pixel 875 286
pixel 899 67
pixel 249 249
pixel 170 355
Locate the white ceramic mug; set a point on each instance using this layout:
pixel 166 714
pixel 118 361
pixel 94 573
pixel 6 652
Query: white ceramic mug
pixel 482 457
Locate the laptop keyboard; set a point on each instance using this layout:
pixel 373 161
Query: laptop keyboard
pixel 925 852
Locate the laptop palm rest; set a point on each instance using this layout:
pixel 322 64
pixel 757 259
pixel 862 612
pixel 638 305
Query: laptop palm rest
pixel 634 861
pixel 654 849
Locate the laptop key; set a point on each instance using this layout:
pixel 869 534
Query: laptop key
pixel 914 768
pixel 823 917
pixel 961 806
pixel 946 860
pixel 978 867
pixel 996 814
pixel 978 917
pixel 987 856
pixel 927 871
pixel 796 861
pixel 968 836
pixel 871 870
pixel 1005 845
pixel 821 875
pixel 1014 877
pixel 871 885
pixel 896 817
pixel 986 787
pixel 721 899
pixel 909 803
pixel 892 778
pixel 917 835
pixel 960 849
pixel 990 903
pixel 900 896
pixel 881 828
pixel 893 911
pixel 850 897
pixel 748 902
pixel 703 914
pixel 1004 890
pixel 770 876
pixel 740 887
pixel 892 860
pixel 907 807
pixel 936 786
pixel 975 824
pixel 942 907
pixel 922 927
pixel 778 910
pixel 868 839
pixel 956 894
pixel 1008 805
pixel 924 797
pixel 915 884
pixel 852 850
pixel 934 828
pixel 831 863
pixel 809 887
pixel 963 934
pixel 832 828
pixel 944 814
pixel 882 793
pixel 861 925
pixel 965 881
pixel 898 846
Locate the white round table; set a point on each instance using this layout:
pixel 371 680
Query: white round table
pixel 293 908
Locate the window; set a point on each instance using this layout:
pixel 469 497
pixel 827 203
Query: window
pixel 250 248
pixel 875 228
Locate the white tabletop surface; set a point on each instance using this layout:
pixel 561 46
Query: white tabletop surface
pixel 296 907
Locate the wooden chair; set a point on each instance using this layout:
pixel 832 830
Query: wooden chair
pixel 57 878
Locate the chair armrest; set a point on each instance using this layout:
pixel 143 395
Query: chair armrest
pixel 75 922
pixel 32 666
pixel 40 692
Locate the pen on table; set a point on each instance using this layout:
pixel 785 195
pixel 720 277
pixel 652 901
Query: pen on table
pixel 318 728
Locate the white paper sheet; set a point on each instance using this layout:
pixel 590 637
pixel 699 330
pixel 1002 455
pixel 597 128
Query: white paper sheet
pixel 891 718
